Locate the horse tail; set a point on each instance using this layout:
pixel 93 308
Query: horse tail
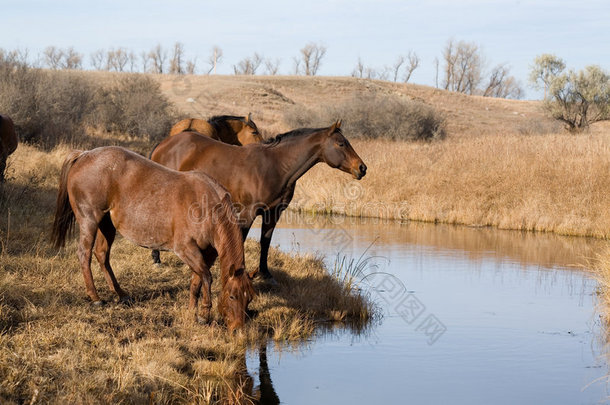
pixel 63 224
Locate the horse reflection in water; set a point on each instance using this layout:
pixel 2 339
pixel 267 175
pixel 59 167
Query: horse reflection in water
pixel 241 389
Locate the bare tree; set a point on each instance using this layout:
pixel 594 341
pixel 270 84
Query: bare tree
pixel 413 63
pixel 272 66
pixel 158 59
pixel 98 59
pixel 117 59
pixel 175 64
pixel 190 66
pixel 133 59
pixel 145 59
pixel 436 64
pixel 215 58
pixel 249 65
pixel 463 67
pixel 311 55
pixel 501 84
pixel 53 57
pixel 71 59
pixel 359 69
pixel 296 62
pixel 397 65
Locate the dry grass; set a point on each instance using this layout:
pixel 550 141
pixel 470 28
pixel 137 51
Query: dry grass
pixel 57 348
pixel 555 183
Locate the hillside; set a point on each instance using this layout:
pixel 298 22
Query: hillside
pixel 268 96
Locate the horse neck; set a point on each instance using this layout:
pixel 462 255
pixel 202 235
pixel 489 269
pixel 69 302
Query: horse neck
pixel 229 245
pixel 295 156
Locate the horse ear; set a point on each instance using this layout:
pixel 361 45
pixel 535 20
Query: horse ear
pixel 334 127
pixel 248 118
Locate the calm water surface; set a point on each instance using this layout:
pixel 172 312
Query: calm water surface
pixel 471 316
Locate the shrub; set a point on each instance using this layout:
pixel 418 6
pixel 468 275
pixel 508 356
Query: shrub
pixel 51 107
pixel 135 105
pixel 372 116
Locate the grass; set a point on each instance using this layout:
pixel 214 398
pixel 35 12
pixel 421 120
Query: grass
pixel 55 347
pixel 555 183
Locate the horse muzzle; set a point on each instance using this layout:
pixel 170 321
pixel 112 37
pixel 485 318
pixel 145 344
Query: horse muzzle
pixel 359 172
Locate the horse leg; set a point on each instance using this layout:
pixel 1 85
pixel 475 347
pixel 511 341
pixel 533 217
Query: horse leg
pixel 2 166
pixel 156 256
pixel 201 277
pixel 88 229
pixel 270 219
pixel 103 242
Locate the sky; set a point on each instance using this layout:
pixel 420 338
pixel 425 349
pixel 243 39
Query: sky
pixel 377 32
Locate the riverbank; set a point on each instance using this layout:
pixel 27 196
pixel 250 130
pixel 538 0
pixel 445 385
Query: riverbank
pixel 55 347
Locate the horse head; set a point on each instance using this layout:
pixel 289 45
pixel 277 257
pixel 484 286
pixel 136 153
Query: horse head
pixel 248 133
pixel 237 292
pixel 338 153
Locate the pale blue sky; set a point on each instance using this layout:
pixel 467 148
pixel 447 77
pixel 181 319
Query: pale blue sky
pixel 508 31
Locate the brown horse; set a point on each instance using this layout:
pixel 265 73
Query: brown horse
pixel 261 177
pixel 110 188
pixel 8 142
pixel 225 128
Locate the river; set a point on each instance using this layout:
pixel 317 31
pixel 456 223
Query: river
pixel 470 316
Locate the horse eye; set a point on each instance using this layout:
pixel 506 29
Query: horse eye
pixel 231 297
pixel 341 144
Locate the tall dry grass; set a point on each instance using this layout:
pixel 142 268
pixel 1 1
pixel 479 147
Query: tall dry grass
pixel 55 347
pixel 552 183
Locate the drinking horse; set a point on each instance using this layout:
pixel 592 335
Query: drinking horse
pixel 111 189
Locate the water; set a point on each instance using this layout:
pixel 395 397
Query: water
pixel 471 316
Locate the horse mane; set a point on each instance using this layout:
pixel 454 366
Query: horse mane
pixel 294 134
pixel 230 244
pixel 219 121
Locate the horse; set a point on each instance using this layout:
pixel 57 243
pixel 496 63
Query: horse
pixel 111 189
pixel 8 142
pixel 260 177
pixel 226 128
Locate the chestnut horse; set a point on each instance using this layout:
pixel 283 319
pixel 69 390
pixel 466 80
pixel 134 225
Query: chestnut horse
pixel 226 128
pixel 8 142
pixel 110 188
pixel 261 177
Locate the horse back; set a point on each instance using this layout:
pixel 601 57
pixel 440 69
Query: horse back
pixel 194 125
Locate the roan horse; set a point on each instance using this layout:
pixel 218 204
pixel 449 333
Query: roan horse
pixel 226 128
pixel 261 177
pixel 8 142
pixel 110 188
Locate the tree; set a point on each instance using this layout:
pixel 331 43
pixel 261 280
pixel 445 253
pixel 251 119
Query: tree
pixel 158 57
pixel 117 59
pixel 463 67
pixel 579 99
pixel 311 57
pixel 249 65
pixel 546 67
pixel 176 62
pixel 214 59
pixel 52 57
pixel 71 59
pixel 272 66
pixel 359 69
pixel 98 59
pixel 501 84
pixel 413 63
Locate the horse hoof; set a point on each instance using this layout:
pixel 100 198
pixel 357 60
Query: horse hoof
pixel 270 281
pixel 203 320
pixel 98 303
pixel 125 300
